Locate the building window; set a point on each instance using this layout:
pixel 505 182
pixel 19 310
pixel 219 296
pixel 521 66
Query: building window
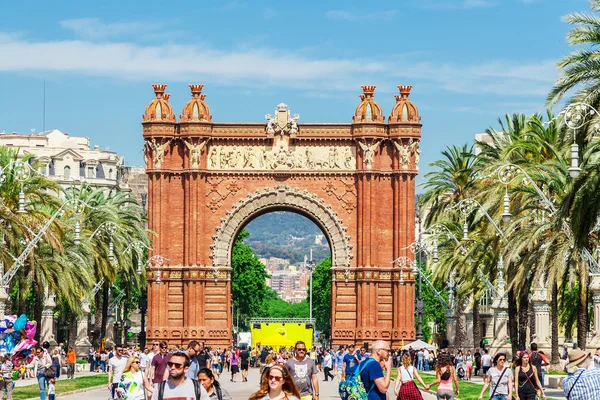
pixel 110 174
pixel 91 172
pixel 67 172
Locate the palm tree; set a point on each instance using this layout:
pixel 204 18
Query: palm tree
pixel 582 67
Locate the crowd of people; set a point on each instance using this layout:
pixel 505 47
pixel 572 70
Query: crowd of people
pixel 294 373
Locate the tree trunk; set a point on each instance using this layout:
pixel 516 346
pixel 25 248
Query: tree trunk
pixel 38 306
pixel 523 320
pixel 512 320
pixel 582 307
pixel 98 320
pixel 555 356
pixel 461 329
pixel 532 326
pixel 105 301
pixel 476 323
pixel 72 329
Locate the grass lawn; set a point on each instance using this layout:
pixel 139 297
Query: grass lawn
pixel 468 390
pixel 33 391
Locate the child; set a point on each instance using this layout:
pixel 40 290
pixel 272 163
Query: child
pixel 51 395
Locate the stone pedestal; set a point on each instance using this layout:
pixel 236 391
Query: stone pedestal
pixel 500 328
pixel 469 327
pixel 47 323
pixel 82 343
pixel 595 288
pixel 451 330
pixel 541 311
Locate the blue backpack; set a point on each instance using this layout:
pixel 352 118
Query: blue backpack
pixel 353 387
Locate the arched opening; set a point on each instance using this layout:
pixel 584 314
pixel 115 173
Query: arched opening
pixel 273 259
pixel 67 172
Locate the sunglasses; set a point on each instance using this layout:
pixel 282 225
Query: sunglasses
pixel 175 365
pixel 119 350
pixel 300 349
pixel 156 344
pixel 135 362
pixel 163 347
pixel 501 359
pixel 276 378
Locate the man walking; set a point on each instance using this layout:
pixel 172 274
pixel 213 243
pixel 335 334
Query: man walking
pixel 486 362
pixel 178 386
pixel 116 365
pixel 244 361
pixel 374 379
pixel 351 360
pixel 581 384
pixel 194 367
pixel 339 363
pixel 202 356
pixel 71 359
pixel 158 367
pixel 537 360
pixel 304 373
pixel 327 365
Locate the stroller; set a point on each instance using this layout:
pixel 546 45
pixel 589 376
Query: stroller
pixel 461 371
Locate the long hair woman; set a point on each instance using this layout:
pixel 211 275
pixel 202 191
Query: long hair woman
pixel 276 384
pixel 445 374
pixel 213 388
pixel 527 383
pixel 405 387
pixel 133 381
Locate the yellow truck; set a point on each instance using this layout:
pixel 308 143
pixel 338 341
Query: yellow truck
pixel 281 332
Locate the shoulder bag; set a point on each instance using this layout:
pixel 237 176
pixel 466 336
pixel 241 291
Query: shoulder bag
pixel 574 383
pixel 497 383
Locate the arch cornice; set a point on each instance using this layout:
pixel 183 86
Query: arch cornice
pixel 278 198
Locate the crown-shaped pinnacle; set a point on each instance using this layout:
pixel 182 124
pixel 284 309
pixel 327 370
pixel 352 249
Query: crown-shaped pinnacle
pixel 368 90
pixel 159 89
pixel 196 90
pixel 167 96
pixel 362 97
pixel 404 90
pixel 202 97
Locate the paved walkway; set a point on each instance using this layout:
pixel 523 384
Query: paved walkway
pixel 243 390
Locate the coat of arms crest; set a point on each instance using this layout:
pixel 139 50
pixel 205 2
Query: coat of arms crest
pixel 282 122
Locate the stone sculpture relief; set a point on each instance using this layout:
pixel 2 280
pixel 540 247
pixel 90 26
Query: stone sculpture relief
pixel 369 152
pixel 281 156
pixel 195 150
pixel 414 149
pixel 282 122
pixel 158 150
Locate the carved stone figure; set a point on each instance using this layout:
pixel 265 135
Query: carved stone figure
pixel 414 149
pixel 212 157
pixel 369 152
pixel 348 158
pixel 271 123
pixel 158 151
pixel 282 122
pixel 146 150
pixel 404 151
pixel 294 124
pixel 195 150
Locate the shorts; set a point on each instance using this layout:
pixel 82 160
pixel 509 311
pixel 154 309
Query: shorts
pixel 485 370
pixel 244 367
pixel 217 367
pixel 235 369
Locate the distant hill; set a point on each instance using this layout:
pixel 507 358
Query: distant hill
pixel 287 235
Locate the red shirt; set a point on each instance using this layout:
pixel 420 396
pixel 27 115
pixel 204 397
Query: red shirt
pixel 159 362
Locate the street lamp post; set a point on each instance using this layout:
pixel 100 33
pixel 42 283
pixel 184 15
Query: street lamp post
pixel 310 265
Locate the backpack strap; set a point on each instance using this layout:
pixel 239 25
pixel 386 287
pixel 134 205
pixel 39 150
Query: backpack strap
pixel 197 390
pixel 220 392
pixel 161 390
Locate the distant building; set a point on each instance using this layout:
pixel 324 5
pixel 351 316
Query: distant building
pixel 69 159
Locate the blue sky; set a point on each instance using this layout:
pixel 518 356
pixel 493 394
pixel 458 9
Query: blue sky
pixel 469 61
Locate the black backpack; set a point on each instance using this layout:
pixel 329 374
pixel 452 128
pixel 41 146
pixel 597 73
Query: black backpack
pixel 197 391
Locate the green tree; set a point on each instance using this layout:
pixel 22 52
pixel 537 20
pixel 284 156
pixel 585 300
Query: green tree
pixel 322 296
pixel 248 282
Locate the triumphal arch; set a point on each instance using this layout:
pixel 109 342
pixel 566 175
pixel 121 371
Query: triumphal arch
pixel 208 179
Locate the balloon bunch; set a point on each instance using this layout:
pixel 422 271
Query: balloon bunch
pixel 16 336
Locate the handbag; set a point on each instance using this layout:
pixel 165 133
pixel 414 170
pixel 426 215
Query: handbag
pixel 50 372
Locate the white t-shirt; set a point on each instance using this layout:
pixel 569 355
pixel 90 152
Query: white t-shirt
pixel 118 365
pixel 494 373
pixel 184 391
pixel 486 361
pixel 407 373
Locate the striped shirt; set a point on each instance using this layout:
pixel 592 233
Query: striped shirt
pixel 587 386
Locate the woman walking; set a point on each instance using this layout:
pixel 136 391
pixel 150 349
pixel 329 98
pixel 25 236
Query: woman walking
pixel 527 383
pixel 40 364
pixel 133 382
pixel 499 379
pixel 445 374
pixel 234 365
pixel 405 387
pixel 276 384
pixel 213 388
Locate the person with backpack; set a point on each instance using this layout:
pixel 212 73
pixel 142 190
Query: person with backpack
pixel 499 378
pixel 538 360
pixel 212 387
pixel 405 387
pixel 177 386
pixel 375 380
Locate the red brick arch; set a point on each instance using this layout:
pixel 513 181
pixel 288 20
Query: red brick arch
pixel 207 180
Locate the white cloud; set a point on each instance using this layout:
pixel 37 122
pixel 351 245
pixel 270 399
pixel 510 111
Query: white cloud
pixel 255 67
pixel 93 28
pixel 346 15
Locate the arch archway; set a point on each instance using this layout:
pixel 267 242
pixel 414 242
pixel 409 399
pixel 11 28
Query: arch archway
pixel 287 199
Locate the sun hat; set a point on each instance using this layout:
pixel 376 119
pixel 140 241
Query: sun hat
pixel 576 357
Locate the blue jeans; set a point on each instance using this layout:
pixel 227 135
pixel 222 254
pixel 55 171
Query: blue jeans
pixel 542 380
pixel 42 381
pixel 499 397
pixel 420 365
